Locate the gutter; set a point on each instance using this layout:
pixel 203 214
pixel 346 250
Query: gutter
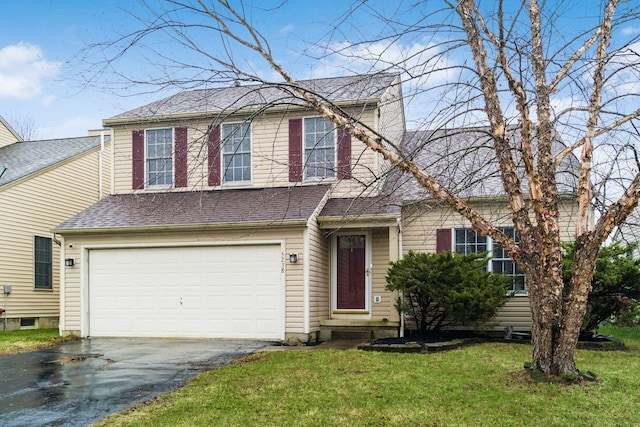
pixel 182 227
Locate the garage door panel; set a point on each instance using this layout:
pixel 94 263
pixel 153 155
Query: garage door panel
pixel 217 292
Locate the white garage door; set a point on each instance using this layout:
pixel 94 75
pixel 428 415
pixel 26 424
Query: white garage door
pixel 198 292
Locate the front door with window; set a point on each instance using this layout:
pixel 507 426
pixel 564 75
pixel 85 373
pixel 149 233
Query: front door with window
pixel 351 272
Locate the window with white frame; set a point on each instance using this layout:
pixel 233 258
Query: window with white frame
pixel 159 157
pixel 43 263
pixel 236 152
pixel 468 241
pixel 319 148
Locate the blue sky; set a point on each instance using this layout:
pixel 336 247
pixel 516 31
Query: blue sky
pixel 40 41
pixel 42 76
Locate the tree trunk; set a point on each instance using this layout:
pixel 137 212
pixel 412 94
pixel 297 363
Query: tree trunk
pixel 557 312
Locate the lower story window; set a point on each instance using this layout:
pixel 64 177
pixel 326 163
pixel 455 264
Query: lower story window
pixel 468 241
pixel 43 263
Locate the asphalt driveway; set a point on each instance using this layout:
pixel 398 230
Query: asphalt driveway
pixel 79 382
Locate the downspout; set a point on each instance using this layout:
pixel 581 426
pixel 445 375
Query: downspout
pixel 100 165
pixel 112 163
pixel 400 255
pixel 63 279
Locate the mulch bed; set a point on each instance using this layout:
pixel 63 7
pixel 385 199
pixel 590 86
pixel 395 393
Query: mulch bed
pixel 447 340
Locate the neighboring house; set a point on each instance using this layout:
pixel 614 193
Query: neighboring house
pixel 7 134
pixel 240 213
pixel 44 183
pixel 629 234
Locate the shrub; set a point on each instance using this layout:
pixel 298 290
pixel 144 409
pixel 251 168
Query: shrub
pixel 615 285
pixel 447 289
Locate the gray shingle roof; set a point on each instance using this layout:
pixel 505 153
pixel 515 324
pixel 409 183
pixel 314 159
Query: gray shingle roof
pixel 27 157
pixel 338 89
pixel 269 205
pixel 463 160
pixel 361 206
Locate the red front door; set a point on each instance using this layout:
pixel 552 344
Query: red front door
pixel 350 264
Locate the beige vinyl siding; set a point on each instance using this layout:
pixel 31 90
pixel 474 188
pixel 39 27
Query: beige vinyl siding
pixel 7 137
pixel 34 206
pixel 380 262
pixel 294 273
pixel 270 154
pixel 419 234
pixel 391 121
pixel 319 276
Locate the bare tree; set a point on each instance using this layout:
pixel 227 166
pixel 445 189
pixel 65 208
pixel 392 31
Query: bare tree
pixel 508 65
pixel 25 126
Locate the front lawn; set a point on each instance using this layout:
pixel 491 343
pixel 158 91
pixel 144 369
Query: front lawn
pixel 478 385
pixel 30 339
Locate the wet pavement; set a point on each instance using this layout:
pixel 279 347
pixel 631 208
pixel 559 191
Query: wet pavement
pixel 80 382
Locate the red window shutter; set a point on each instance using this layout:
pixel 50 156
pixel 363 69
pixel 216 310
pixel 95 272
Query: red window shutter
pixel 344 154
pixel 214 156
pixel 295 150
pixel 137 157
pixel 180 157
pixel 443 240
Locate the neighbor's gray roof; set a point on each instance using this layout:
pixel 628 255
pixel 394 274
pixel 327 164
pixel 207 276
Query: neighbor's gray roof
pixel 357 88
pixel 269 205
pixel 463 160
pixel 27 157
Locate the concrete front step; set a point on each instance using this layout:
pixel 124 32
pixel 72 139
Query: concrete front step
pixel 356 330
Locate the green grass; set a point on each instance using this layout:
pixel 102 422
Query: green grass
pixel 477 385
pixel 12 342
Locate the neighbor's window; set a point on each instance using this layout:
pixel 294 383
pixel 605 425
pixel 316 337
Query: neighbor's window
pixel 468 241
pixel 159 157
pixel 236 152
pixel 43 259
pixel 319 148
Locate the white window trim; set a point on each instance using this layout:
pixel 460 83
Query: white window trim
pixel 524 293
pixel 223 181
pixel 173 160
pixel 304 153
pixel 367 277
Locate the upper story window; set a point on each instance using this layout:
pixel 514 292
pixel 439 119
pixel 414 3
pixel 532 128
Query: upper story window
pixel 319 148
pixel 468 241
pixel 159 157
pixel 236 152
pixel 43 263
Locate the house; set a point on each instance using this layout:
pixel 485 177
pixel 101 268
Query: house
pixel 43 183
pixel 464 161
pixel 240 213
pixel 629 234
pixel 7 134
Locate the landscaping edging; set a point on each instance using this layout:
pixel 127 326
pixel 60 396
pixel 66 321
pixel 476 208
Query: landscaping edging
pixel 415 347
pixel 602 344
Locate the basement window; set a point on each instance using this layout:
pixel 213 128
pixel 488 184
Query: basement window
pixel 28 323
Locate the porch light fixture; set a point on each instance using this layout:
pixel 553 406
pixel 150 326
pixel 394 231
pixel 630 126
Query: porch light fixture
pixel 69 262
pixel 293 257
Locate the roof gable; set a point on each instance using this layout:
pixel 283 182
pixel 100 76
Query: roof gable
pixel 350 89
pixel 8 135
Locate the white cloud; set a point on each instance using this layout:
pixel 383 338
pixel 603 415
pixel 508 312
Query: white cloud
pixel 71 126
pixel 286 29
pixel 23 69
pixel 630 30
pixel 416 59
